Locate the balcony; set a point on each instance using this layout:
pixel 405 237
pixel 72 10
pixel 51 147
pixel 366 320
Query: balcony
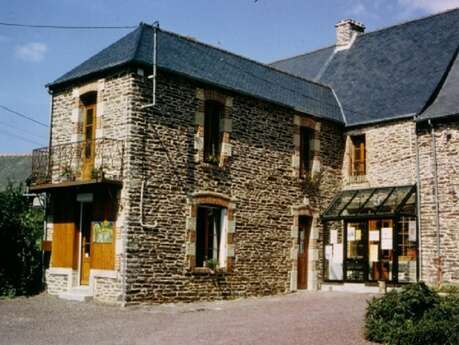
pixel 76 163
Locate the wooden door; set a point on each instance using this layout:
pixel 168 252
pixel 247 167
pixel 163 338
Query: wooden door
pixel 86 209
pixel 89 135
pixel 304 227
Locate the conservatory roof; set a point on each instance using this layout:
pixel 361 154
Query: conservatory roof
pixel 372 202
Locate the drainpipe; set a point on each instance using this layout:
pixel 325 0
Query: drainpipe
pixel 151 105
pixel 437 212
pixel 418 200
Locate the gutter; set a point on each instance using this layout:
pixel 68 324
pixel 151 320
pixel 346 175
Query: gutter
pixel 418 200
pixel 437 211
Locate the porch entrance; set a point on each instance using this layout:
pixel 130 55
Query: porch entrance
pixel 304 229
pixel 85 241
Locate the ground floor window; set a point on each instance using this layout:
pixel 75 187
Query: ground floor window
pixel 371 250
pixel 211 236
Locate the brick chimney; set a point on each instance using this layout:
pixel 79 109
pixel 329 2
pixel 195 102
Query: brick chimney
pixel 347 30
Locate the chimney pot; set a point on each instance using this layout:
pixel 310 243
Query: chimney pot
pixel 347 30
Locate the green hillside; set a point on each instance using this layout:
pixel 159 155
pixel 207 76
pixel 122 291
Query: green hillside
pixel 14 168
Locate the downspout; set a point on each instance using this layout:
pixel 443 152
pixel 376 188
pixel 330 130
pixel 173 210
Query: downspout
pixel 437 213
pixel 418 199
pixel 151 105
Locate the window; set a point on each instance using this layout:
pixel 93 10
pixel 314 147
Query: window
pixel 212 134
pixel 211 236
pixel 306 135
pixel 358 155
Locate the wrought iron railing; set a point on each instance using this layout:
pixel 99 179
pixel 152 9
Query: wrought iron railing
pixel 78 161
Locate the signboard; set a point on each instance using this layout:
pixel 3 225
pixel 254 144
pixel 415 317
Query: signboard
pixel 103 231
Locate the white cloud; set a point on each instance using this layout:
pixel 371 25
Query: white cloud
pixel 429 5
pixel 33 51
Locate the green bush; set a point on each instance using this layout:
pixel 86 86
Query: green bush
pixel 416 315
pixel 21 229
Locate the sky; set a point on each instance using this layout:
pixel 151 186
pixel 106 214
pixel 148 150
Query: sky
pixel 264 30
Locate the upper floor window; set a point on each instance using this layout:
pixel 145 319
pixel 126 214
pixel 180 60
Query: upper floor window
pixel 211 236
pixel 212 132
pixel 306 136
pixel 358 155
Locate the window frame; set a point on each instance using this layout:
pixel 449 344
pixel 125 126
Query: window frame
pixel 204 252
pixel 358 165
pixel 213 113
pixel 305 151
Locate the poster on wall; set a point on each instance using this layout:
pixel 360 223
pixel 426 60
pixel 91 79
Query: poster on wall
pixel 103 231
pixel 373 257
pixel 338 253
pixel 351 233
pixel 386 238
pixel 333 236
pixel 374 235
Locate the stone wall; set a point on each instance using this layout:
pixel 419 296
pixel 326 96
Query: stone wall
pixel 447 146
pixel 390 155
pixel 257 175
pixel 113 97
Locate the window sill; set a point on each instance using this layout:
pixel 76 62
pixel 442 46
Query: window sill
pixel 206 271
pixel 357 179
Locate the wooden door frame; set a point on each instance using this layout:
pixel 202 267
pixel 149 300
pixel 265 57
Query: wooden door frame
pixel 307 235
pixel 80 241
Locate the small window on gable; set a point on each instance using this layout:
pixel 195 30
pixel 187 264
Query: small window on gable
pixel 211 236
pixel 358 155
pixel 306 136
pixel 212 133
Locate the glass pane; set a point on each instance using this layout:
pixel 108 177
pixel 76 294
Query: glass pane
pixel 339 203
pixel 355 254
pixel 410 205
pixel 380 251
pixel 407 253
pixel 334 251
pixel 356 203
pixel 391 204
pixel 375 201
pixel 89 117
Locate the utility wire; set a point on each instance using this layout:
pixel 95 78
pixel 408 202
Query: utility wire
pixel 66 27
pixel 22 130
pixel 20 137
pixel 23 116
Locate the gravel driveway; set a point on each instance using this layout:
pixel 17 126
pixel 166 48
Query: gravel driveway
pixel 301 318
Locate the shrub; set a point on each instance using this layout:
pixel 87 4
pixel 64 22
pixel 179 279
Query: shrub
pixel 21 229
pixel 415 316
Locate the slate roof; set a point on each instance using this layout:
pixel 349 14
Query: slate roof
pixel 387 74
pixel 211 65
pixel 446 103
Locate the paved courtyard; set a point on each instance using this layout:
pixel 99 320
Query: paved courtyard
pixel 301 318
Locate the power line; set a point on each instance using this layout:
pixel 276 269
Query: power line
pixel 66 27
pixel 21 130
pixel 23 116
pixel 20 137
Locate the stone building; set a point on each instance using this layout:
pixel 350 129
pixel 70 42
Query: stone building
pixel 178 171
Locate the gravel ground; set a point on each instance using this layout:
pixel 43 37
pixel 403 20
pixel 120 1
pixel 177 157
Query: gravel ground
pixel 301 318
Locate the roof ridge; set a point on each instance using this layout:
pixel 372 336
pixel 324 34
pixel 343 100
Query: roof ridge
pixel 303 54
pixel 406 22
pixel 239 56
pixel 372 32
pixel 139 39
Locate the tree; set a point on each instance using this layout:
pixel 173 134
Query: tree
pixel 21 229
